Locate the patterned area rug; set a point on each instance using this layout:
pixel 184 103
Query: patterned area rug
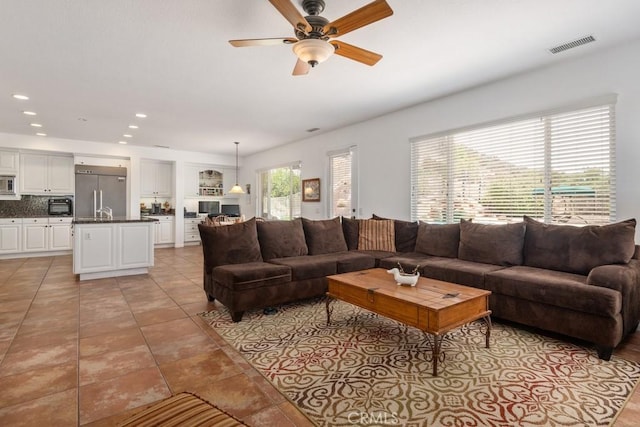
pixel 365 369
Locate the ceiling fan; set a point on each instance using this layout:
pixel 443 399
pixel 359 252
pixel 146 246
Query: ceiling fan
pixel 312 44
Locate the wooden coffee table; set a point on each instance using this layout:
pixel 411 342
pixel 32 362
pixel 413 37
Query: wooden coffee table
pixel 432 306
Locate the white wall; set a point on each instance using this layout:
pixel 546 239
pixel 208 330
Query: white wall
pixel 383 143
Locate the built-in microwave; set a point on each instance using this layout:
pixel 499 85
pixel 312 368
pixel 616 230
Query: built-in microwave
pixel 8 185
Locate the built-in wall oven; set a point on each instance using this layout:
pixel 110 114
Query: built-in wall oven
pixel 7 185
pixel 62 206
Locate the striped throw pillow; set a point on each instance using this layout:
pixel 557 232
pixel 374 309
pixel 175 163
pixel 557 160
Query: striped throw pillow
pixel 376 235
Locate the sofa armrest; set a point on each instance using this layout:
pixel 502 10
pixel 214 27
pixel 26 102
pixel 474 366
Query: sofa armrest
pixel 624 278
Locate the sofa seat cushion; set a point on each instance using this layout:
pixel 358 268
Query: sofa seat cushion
pixel 557 288
pixel 353 261
pixel 251 275
pixel 462 272
pixel 377 255
pixel 408 261
pixel 309 266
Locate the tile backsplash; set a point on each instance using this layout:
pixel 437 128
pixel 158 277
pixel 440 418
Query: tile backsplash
pixel 27 206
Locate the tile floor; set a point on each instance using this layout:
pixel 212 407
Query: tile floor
pixel 93 352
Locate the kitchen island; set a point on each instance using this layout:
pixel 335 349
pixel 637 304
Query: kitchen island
pixel 111 247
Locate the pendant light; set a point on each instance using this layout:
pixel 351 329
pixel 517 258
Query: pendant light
pixel 236 189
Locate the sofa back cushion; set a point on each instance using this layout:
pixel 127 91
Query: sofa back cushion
pixel 578 249
pixel 280 239
pixel 350 231
pixel 324 236
pixel 230 244
pixel 376 235
pixel 491 243
pixel 406 233
pixel 438 239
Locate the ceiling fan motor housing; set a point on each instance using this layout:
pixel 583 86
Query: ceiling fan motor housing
pixel 317 28
pixel 313 7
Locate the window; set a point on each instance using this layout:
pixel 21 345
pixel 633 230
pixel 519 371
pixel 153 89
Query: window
pixel 558 168
pixel 342 196
pixel 280 192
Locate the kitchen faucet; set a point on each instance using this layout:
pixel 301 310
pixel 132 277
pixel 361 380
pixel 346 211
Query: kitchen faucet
pixel 106 210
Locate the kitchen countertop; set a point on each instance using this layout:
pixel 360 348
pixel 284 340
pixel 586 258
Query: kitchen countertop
pixel 36 216
pixel 117 219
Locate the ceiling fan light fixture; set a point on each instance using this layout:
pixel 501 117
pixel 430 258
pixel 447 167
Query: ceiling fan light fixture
pixel 313 51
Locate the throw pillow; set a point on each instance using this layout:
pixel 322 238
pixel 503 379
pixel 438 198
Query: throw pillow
pixel 280 239
pixel 350 231
pixel 376 235
pixel 491 243
pixel 438 239
pixel 406 233
pixel 324 236
pixel 578 249
pixel 230 244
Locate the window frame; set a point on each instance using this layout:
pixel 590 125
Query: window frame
pixel 352 151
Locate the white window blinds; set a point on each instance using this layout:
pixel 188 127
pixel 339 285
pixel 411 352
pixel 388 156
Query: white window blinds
pixel 558 168
pixel 341 185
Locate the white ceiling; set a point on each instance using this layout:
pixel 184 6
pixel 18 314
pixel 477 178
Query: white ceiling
pixel 90 65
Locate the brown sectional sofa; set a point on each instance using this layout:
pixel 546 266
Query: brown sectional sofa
pixel 582 282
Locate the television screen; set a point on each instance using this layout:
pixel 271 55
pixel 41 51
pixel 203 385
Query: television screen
pixel 209 207
pixel 230 210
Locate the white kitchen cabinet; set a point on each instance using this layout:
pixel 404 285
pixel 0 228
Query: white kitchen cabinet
pixel 60 234
pixel 111 249
pixel 46 234
pixel 9 162
pixel 10 235
pixel 191 181
pixel 156 179
pixel 46 174
pixel 164 227
pixel 191 232
pixel 35 235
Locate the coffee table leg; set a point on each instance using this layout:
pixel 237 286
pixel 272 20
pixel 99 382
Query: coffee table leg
pixel 488 333
pixel 435 353
pixel 329 309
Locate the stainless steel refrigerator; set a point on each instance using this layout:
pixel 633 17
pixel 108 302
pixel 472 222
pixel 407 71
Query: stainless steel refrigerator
pixel 100 187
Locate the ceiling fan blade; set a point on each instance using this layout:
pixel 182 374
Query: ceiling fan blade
pixel 262 42
pixel 291 14
pixel 368 14
pixel 356 53
pixel 301 68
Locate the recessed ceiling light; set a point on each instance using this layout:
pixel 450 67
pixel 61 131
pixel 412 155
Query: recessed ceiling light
pixel 29 113
pixel 41 134
pixel 36 125
pixel 133 127
pixel 122 142
pixel 20 97
pixel 126 135
pixel 141 115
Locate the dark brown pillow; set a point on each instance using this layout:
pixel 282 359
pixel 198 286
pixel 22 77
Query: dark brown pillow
pixel 578 249
pixel 350 231
pixel 279 239
pixel 491 243
pixel 406 234
pixel 324 236
pixel 230 244
pixel 438 239
pixel 376 235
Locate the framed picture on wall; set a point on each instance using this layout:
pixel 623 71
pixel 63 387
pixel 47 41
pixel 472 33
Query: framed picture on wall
pixel 311 190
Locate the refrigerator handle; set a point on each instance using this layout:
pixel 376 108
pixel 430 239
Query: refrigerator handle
pixel 95 208
pixel 100 202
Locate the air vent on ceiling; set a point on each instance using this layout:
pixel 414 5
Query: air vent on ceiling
pixel 313 129
pixel 161 146
pixel 572 44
